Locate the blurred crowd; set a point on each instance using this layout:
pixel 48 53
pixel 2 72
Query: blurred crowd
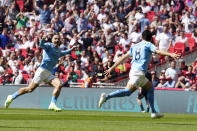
pixel 102 30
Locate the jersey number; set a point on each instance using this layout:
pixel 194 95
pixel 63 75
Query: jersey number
pixel 137 54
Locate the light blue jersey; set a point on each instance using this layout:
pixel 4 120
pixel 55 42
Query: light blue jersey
pixel 142 54
pixel 51 55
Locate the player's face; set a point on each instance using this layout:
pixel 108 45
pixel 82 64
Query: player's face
pixel 56 40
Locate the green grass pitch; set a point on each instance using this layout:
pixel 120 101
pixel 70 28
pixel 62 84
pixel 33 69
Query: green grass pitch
pixel 45 120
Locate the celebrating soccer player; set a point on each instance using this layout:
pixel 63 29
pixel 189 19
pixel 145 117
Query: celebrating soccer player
pixel 51 54
pixel 142 54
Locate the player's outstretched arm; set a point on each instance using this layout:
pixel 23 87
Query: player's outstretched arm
pixel 67 51
pixel 165 53
pixel 107 72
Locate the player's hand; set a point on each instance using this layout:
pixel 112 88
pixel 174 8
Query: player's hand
pixel 175 55
pixel 107 72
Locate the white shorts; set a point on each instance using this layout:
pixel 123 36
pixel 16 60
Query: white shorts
pixel 42 75
pixel 137 78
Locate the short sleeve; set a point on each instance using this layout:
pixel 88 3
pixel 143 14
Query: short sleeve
pixel 152 47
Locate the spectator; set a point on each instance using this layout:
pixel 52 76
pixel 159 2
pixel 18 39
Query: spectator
pixel 189 21
pixel 170 83
pixel 183 67
pixel 88 82
pixel 72 76
pixel 189 74
pixel 17 78
pixel 110 40
pixel 164 15
pixel 161 82
pixel 173 72
pixel 164 39
pixel 183 39
pixel 21 20
pixel 155 80
pixel 182 83
pixel 4 38
pixel 143 22
pixel 44 13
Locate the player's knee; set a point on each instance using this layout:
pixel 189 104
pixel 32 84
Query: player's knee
pixel 29 90
pixel 59 85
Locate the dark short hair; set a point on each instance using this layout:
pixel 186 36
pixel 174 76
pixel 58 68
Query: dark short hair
pixel 147 35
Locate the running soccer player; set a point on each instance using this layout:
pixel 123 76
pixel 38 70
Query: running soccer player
pixel 51 54
pixel 141 53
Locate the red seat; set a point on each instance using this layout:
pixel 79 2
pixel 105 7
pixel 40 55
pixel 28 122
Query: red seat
pixel 171 49
pixel 20 4
pixel 80 81
pixel 188 35
pixel 78 72
pixel 128 66
pixel 191 42
pixel 26 77
pixel 117 71
pixel 179 47
pixel 24 52
pixel 73 55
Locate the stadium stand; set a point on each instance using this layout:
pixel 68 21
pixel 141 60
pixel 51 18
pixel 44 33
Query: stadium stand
pixel 101 28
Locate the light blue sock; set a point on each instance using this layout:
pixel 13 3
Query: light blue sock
pixel 119 93
pixel 53 99
pixel 16 94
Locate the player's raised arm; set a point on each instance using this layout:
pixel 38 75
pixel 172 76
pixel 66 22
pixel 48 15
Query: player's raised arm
pixel 127 55
pixel 164 53
pixel 43 41
pixel 68 51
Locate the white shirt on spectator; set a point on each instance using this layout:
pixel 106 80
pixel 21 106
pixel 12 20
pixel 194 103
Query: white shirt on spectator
pixel 188 21
pixel 96 9
pixel 139 16
pixel 28 68
pixel 135 37
pixel 124 42
pixel 100 17
pixel 145 9
pixel 29 44
pixel 164 41
pixel 84 60
pixel 173 73
pixel 100 49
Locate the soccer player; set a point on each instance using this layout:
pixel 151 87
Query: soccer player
pixel 141 53
pixel 51 54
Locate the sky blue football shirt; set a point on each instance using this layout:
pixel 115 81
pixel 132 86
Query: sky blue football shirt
pixel 142 54
pixel 51 55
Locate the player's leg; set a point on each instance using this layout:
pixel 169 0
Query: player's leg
pixel 21 91
pixel 57 84
pixel 147 87
pixel 147 102
pixel 150 96
pixel 140 104
pixel 119 93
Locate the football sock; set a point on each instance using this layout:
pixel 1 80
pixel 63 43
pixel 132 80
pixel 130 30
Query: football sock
pixel 53 99
pixel 147 110
pixel 16 94
pixel 119 93
pixel 142 108
pixel 150 96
